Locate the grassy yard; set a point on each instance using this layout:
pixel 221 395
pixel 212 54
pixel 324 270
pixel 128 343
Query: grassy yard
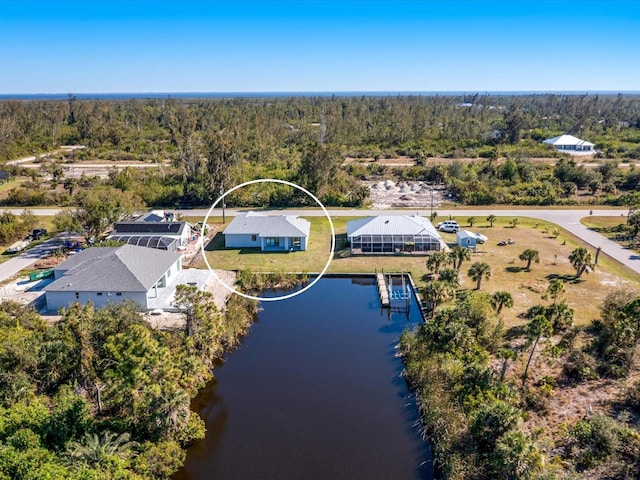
pixel 527 287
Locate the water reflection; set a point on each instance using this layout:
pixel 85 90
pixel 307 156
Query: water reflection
pixel 314 392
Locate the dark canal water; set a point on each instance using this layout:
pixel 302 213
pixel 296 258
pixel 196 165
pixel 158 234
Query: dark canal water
pixel 314 392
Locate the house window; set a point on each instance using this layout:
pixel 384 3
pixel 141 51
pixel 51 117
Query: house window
pixel 296 242
pixel 254 238
pixel 118 294
pixel 272 241
pixel 99 294
pixel 77 295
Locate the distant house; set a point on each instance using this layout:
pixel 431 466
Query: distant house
pixel 154 234
pixel 104 275
pixel 267 232
pixel 569 144
pixel 393 234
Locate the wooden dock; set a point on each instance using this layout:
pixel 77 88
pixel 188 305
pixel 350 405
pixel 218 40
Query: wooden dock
pixel 383 290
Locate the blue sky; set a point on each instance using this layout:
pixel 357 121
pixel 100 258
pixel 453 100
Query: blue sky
pixel 288 46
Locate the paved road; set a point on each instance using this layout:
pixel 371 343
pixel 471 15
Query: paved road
pixel 567 219
pixel 11 267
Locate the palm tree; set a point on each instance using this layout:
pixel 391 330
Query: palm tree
pixel 93 449
pixel 492 219
pixel 450 276
pixel 172 410
pixel 501 299
pixel 555 289
pixel 458 255
pixel 581 260
pixel 529 256
pixel 435 260
pixel 538 327
pixel 436 293
pixel 472 220
pixel 478 271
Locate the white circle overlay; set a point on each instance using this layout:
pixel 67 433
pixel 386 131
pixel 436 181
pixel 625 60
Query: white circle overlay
pixel 282 297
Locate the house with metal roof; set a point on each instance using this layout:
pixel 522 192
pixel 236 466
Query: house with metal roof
pixel 161 235
pixel 267 232
pixel 393 234
pixel 569 144
pixel 113 274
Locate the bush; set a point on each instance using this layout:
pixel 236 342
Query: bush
pixel 580 366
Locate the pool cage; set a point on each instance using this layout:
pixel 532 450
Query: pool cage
pixel 394 243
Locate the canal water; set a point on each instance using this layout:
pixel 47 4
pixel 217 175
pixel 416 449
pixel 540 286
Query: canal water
pixel 314 392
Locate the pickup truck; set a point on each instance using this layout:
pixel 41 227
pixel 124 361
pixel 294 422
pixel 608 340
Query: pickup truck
pixel 18 246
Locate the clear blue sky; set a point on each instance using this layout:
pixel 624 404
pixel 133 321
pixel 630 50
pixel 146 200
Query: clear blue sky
pixel 350 45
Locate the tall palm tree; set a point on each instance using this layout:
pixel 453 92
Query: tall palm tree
pixel 436 293
pixel 530 255
pixel 581 260
pixel 458 255
pixel 478 271
pixel 436 260
pixel 93 448
pixel 501 299
pixel 538 327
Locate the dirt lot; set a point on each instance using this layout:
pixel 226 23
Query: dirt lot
pixel 405 194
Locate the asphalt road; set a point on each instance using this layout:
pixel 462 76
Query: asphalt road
pixel 567 219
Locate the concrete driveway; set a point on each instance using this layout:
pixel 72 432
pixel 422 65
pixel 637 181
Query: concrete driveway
pixel 11 267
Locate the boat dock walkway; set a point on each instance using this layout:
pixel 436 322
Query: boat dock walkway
pixel 383 290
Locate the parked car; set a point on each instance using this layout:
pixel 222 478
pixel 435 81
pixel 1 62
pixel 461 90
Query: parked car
pixel 18 246
pixel 38 232
pixel 449 226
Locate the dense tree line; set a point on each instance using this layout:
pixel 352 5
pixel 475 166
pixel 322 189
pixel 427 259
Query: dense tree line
pixel 213 143
pixel 100 394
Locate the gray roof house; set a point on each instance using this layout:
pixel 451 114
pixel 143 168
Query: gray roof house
pixel 393 234
pixel 267 232
pixel 112 274
pixel 161 235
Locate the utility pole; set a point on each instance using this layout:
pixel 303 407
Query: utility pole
pixel 223 204
pixel 431 201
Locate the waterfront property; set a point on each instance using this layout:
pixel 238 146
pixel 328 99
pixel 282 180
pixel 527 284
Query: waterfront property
pixel 267 232
pixel 570 144
pixel 113 274
pixel 393 234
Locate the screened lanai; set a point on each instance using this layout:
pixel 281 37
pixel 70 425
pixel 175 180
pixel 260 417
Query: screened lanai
pixel 393 234
pixel 158 242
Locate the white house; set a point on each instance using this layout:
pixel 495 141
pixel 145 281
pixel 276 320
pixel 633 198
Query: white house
pixel 569 144
pixel 393 234
pixel 112 274
pixel 267 232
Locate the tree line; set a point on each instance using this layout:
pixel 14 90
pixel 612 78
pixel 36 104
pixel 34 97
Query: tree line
pixel 101 394
pixel 213 143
